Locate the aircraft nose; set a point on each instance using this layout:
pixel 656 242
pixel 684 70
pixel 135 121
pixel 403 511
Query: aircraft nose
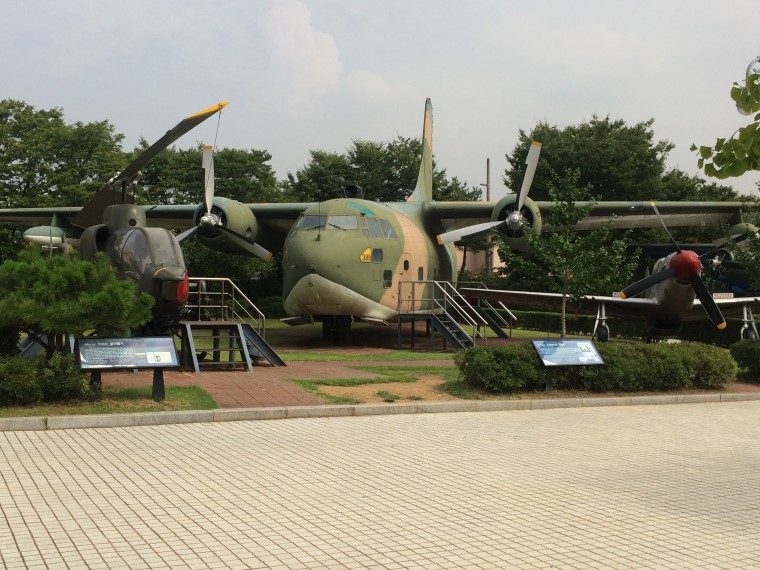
pixel 685 265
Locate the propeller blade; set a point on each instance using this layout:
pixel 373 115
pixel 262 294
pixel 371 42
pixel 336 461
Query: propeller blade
pixel 644 284
pixel 246 245
pixel 711 307
pixel 457 235
pixel 208 177
pixel 532 162
pixel 667 231
pixel 187 233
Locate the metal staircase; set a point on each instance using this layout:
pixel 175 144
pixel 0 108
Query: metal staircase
pixel 496 314
pixel 444 309
pixel 222 328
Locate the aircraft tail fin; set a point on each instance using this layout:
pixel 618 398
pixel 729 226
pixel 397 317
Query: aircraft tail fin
pixel 423 192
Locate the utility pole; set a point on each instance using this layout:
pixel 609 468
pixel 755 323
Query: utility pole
pixel 489 250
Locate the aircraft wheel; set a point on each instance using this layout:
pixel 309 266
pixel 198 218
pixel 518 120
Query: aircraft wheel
pixel 342 329
pixel 328 328
pixel 603 334
pixel 748 334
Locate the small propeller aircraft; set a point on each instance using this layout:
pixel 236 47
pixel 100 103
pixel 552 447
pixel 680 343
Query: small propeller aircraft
pixel 111 223
pixel 349 259
pixel 674 292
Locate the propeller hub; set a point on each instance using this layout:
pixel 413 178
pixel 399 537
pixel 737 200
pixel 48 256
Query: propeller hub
pixel 209 220
pixel 685 265
pixel 514 220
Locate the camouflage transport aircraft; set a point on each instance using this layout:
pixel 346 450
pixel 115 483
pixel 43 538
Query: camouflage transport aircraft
pixel 351 259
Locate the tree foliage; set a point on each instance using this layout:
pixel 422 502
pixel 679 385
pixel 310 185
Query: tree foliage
pixel 175 176
pixel 44 161
pixel 568 261
pixel 740 153
pixel 61 295
pixel 617 161
pixel 386 172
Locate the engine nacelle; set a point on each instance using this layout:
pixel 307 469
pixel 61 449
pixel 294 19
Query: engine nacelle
pixel 233 215
pixel 738 233
pixel 516 238
pixel 94 239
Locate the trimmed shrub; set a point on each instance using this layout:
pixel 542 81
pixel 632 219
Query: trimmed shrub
pixel 713 367
pixel 621 372
pixel 19 382
pixel 25 381
pixel 62 379
pixel 508 368
pixel 747 355
pixel 628 367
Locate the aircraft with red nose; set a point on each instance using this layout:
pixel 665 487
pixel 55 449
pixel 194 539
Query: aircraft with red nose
pixel 673 293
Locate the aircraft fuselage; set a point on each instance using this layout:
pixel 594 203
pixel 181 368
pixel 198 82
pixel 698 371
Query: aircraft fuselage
pixel 347 257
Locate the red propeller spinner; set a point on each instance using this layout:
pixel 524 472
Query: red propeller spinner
pixel 685 265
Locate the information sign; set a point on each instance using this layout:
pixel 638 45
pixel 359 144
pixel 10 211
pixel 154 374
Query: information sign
pixel 144 352
pixel 567 352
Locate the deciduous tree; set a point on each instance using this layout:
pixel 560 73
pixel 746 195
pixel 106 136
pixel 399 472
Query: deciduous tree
pixel 565 260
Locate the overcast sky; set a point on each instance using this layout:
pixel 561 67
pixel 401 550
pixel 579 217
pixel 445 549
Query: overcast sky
pixel 316 74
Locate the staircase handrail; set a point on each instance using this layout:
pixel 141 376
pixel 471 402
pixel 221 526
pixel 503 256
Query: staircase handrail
pixel 229 303
pixel 445 298
pixel 500 306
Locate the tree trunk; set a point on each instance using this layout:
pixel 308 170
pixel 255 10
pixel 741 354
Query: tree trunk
pixel 563 330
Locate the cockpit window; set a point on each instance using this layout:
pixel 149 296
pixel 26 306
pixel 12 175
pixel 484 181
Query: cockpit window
pixel 387 229
pixel 309 222
pixel 142 248
pixel 313 222
pixel 342 222
pixel 371 226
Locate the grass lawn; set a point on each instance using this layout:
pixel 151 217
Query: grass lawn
pixel 121 400
pixel 398 374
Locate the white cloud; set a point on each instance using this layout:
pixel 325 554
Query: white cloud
pixel 309 60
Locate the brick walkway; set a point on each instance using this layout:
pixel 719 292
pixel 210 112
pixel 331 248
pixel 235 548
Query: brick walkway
pixel 264 387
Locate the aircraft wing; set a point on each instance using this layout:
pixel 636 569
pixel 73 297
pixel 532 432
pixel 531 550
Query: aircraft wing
pixel 638 214
pixel 729 307
pixel 277 217
pixel 28 217
pixel 633 308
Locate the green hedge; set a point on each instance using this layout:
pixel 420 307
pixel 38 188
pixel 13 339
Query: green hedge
pixel 629 367
pixel 26 381
pixel 747 354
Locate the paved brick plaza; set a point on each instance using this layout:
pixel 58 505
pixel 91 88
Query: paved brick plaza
pixel 659 486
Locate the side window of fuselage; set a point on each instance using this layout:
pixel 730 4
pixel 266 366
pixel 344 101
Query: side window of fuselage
pixel 387 278
pixel 376 227
pixel 420 274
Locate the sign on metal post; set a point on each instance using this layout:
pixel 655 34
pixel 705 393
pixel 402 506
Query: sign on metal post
pixel 144 352
pixel 555 353
pixel 98 354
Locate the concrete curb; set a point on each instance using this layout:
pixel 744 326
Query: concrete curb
pixel 327 411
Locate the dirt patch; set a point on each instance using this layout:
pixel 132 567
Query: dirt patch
pixel 426 388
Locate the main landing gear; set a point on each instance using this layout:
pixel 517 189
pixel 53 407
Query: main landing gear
pixel 749 329
pixel 336 329
pixel 601 330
